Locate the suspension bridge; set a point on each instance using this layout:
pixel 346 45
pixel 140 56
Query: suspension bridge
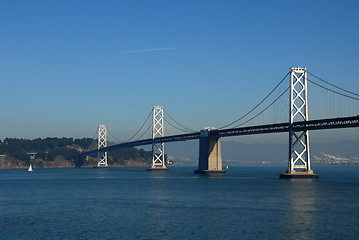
pixel 285 109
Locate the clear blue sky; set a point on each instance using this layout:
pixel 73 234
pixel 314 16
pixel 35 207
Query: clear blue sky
pixel 68 65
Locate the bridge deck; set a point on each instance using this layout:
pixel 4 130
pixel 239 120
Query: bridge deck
pixel 320 124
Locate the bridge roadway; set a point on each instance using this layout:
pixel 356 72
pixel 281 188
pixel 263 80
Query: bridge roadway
pixel 320 124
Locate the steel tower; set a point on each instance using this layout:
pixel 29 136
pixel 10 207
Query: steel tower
pixel 102 142
pixel 299 157
pixel 158 149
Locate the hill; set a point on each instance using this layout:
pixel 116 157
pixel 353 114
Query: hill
pixel 63 152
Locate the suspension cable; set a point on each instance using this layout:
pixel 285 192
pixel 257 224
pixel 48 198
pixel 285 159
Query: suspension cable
pixel 185 129
pixel 257 104
pixel 336 92
pixel 116 140
pixel 144 132
pixel 333 85
pixel 176 127
pixel 93 140
pixel 263 109
pixel 141 127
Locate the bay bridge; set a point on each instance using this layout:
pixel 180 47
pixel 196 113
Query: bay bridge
pixel 285 109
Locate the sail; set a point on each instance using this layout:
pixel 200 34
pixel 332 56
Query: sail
pixel 30 168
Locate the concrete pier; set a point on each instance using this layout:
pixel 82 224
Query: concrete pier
pixel 101 166
pixel 210 159
pixel 302 175
pixel 157 169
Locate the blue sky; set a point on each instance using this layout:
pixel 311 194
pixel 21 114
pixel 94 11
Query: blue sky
pixel 67 66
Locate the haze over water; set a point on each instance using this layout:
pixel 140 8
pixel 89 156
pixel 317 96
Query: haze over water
pixel 249 202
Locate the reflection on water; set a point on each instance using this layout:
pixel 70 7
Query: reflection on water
pixel 157 206
pixel 300 195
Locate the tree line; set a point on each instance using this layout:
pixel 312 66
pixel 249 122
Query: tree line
pixel 69 149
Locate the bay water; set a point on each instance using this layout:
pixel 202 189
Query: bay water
pixel 249 202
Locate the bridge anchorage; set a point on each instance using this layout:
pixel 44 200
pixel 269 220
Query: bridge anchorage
pixel 158 149
pixel 102 143
pixel 210 159
pixel 299 157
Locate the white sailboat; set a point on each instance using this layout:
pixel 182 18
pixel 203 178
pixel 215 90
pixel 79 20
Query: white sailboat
pixel 30 168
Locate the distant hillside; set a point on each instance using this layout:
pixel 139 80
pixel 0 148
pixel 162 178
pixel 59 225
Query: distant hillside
pixel 332 153
pixel 63 152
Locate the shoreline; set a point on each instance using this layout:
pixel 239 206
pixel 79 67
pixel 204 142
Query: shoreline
pixel 47 167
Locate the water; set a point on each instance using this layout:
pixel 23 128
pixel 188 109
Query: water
pixel 249 202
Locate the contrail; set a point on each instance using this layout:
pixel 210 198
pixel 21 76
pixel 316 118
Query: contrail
pixel 149 50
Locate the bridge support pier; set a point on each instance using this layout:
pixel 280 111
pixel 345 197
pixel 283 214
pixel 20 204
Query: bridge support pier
pixel 299 156
pixel 210 159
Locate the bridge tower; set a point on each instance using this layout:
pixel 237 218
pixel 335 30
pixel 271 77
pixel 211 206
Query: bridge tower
pixel 102 142
pixel 299 157
pixel 158 149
